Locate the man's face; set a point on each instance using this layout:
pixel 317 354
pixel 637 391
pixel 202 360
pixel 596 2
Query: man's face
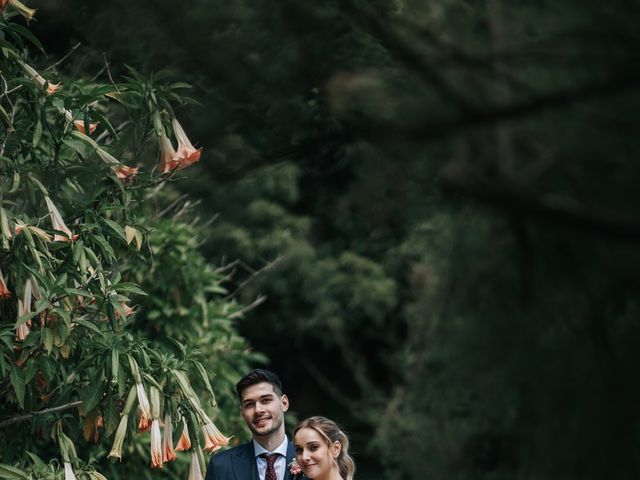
pixel 263 409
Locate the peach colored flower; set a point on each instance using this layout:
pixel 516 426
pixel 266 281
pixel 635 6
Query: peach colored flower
pixel 195 472
pixel 22 331
pixel 156 444
pixel 144 423
pixel 4 291
pixel 79 124
pixel 124 172
pixel 58 224
pixel 213 438
pixel 128 311
pixel 168 453
pixel 24 307
pixel 168 156
pixel 187 153
pixel 184 443
pixel 37 78
pixel 38 232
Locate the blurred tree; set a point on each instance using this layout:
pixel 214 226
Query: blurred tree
pixel 356 148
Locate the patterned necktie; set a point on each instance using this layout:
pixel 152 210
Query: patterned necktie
pixel 271 470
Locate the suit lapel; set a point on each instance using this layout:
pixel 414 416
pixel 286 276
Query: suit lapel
pixel 290 456
pixel 244 463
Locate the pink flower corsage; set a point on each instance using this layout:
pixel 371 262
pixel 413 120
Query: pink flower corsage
pixel 294 468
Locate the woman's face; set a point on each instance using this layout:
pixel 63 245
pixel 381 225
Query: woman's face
pixel 315 457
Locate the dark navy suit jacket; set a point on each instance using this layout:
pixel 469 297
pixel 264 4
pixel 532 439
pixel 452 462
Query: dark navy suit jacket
pixel 239 463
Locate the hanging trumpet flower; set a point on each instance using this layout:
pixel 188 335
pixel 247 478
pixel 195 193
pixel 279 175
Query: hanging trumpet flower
pixel 184 443
pixel 168 156
pixel 213 438
pixel 187 153
pixel 24 307
pixel 168 453
pixel 156 438
pixel 121 432
pixel 37 78
pixel 195 471
pixel 58 224
pixel 68 472
pixel 144 424
pixel 21 8
pixel 79 124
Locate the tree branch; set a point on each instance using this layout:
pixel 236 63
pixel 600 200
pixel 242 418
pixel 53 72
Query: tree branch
pixel 20 418
pixel 438 128
pixel 258 301
pixel 504 195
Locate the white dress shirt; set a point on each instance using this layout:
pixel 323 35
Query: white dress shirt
pixel 281 461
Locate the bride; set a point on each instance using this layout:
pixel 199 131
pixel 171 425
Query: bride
pixel 322 450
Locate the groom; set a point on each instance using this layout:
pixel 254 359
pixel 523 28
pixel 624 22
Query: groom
pixel 268 455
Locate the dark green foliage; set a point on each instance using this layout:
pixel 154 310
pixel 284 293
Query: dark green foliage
pixel 439 201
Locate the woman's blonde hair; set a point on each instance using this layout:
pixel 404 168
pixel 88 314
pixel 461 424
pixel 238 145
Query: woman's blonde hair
pixel 330 431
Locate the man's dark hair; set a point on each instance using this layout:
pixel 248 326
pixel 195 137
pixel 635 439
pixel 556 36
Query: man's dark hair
pixel 256 376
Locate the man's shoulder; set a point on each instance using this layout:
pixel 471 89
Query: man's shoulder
pixel 244 449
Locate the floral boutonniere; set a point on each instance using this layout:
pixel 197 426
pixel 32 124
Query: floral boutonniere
pixel 294 469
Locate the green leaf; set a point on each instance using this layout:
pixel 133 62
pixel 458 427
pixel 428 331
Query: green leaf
pixel 38 184
pixel 77 291
pixel 47 339
pixel 116 228
pixel 88 324
pixel 111 418
pixel 76 251
pixel 130 287
pixel 92 395
pixel 205 379
pixel 17 381
pixel 178 85
pixel 12 473
pixel 15 182
pixel 115 365
pixel 26 33
pixel 37 134
pixel 107 250
pixel 36 460
pixel 3 366
pixel 5 116
pixel 4 224
pixel 24 318
pixel 105 122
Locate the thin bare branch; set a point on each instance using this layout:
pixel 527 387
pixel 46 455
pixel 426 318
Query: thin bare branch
pixel 21 418
pixel 73 49
pixel 106 64
pixel 269 266
pixel 258 301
